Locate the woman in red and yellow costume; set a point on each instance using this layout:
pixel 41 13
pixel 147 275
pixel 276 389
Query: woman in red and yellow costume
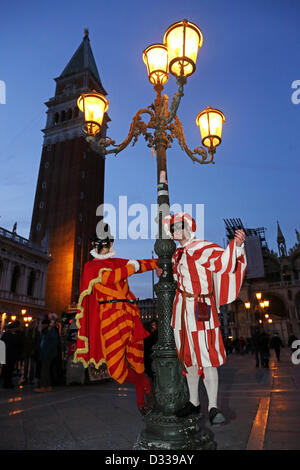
pixel 110 330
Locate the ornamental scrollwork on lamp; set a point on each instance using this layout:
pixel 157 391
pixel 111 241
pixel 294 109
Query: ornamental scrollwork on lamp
pixel 160 119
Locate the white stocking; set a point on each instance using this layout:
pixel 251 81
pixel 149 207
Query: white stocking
pixel 192 378
pixel 211 385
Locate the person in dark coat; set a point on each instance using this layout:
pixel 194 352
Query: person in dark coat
pixel 56 367
pixel 265 349
pixel 276 344
pixel 13 346
pixel 31 349
pixel 48 352
pixel 256 344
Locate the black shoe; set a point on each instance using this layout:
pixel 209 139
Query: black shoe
pixel 216 417
pixel 188 409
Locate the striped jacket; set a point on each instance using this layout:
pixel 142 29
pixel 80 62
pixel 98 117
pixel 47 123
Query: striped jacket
pixel 202 267
pixel 206 268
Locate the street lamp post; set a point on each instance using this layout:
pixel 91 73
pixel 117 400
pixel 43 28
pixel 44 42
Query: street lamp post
pixel 177 56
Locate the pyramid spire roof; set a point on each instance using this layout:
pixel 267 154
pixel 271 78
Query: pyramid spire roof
pixel 280 237
pixel 82 59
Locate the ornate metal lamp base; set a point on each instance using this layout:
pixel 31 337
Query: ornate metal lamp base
pixel 171 433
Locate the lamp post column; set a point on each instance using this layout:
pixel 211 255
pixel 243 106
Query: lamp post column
pixel 170 386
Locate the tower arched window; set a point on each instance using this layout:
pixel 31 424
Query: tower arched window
pixel 63 116
pixel 69 114
pixel 56 118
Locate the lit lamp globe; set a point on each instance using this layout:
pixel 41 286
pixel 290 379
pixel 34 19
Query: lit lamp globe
pixel 210 122
pixel 156 60
pixel 93 105
pixel 183 41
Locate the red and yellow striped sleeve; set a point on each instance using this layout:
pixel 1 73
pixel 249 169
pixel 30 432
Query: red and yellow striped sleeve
pixel 118 274
pixel 147 264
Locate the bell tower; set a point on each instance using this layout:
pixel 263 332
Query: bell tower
pixel 70 183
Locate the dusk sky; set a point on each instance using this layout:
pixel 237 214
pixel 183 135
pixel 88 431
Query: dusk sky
pixel 246 68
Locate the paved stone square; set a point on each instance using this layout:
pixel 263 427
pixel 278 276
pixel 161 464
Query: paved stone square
pixel 261 406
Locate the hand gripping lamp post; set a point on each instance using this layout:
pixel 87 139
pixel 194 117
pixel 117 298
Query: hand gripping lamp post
pixel 177 55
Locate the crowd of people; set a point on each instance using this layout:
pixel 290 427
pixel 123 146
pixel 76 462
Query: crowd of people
pixel 35 354
pixel 259 345
pixel 38 355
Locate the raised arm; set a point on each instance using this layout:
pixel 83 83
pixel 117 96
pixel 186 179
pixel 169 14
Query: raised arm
pixel 133 266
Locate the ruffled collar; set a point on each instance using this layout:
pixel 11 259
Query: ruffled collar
pixel 188 241
pixel 110 254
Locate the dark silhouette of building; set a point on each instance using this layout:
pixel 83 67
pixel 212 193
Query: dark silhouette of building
pixel 278 281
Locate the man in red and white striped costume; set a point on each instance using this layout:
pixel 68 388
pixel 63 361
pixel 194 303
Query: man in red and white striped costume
pixel 207 276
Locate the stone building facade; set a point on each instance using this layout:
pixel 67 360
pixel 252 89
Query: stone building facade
pixel 280 285
pixel 23 271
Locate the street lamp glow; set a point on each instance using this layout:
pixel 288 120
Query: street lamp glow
pixel 258 295
pixel 183 40
pixel 23 311
pixel 267 303
pixel 247 305
pixel 156 60
pixel 262 304
pixel 210 121
pixel 93 105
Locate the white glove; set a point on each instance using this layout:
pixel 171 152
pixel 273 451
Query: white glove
pixel 135 264
pixel 239 250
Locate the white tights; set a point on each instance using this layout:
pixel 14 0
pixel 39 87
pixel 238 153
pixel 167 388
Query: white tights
pixel 210 382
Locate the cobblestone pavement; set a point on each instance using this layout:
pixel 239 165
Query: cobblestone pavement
pixel 261 407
